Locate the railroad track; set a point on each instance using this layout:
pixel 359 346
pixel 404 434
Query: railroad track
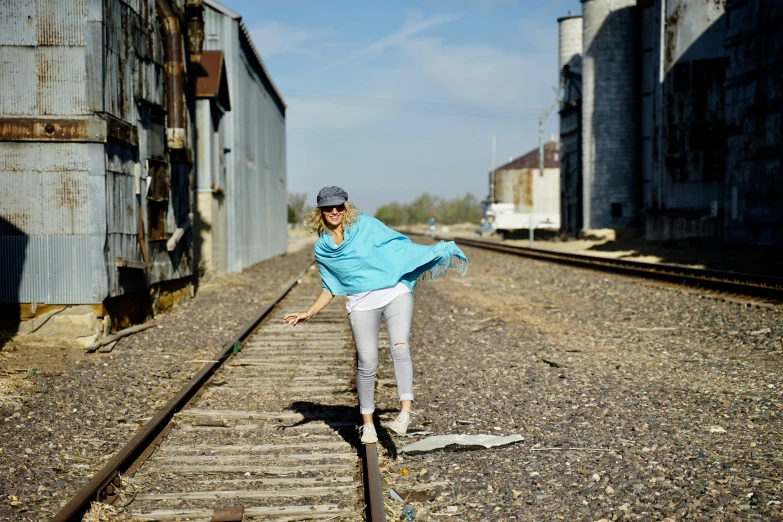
pixel 735 284
pixel 267 429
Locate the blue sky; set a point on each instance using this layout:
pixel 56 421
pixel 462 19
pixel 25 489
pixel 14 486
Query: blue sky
pixel 396 98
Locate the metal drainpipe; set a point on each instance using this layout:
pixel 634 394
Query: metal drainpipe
pixel 175 75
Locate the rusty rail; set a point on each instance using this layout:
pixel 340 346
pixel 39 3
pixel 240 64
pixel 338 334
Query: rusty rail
pixel 104 482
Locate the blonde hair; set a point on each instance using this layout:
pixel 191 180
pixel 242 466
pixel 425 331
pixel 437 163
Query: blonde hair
pixel 315 224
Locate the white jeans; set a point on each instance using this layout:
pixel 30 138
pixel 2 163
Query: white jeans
pixel 366 325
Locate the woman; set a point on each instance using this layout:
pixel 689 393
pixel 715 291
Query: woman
pixel 376 269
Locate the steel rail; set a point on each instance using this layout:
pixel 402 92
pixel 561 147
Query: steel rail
pixel 374 498
pixel 736 282
pixel 106 478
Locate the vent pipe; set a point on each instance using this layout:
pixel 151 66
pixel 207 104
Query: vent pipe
pixel 175 75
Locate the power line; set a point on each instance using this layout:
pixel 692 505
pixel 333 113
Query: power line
pixel 480 111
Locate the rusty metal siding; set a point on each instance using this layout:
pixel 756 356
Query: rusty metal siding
pixel 46 211
pixel 120 58
pixel 61 81
pixel 18 23
pixel 20 83
pixel 61 22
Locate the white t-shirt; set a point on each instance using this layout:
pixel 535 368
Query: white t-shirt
pixel 374 299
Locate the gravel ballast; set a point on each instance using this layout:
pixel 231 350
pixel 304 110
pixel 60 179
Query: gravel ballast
pixel 637 400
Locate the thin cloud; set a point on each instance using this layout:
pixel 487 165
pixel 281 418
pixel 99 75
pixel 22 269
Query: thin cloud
pixel 408 31
pixel 274 38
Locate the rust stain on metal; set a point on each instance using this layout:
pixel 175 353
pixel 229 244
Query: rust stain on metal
pixel 671 34
pixel 24 129
pixel 68 195
pixel 524 195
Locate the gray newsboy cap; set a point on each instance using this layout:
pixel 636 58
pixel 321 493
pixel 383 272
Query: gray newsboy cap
pixel 331 196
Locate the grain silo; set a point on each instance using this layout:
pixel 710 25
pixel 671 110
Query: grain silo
pixel 754 116
pixel 610 114
pixel 683 118
pixel 570 70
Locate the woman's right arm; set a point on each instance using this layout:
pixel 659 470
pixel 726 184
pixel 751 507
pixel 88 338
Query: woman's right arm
pixel 324 299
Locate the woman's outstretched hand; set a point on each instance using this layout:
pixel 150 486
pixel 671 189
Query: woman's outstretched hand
pixel 292 319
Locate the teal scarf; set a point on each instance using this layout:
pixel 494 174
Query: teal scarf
pixel 373 256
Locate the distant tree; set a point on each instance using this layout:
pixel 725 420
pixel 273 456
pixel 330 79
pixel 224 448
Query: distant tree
pixel 389 214
pixel 292 217
pixel 297 203
pixel 423 208
pixel 459 210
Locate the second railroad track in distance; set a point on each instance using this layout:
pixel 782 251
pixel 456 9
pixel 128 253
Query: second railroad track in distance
pixel 735 283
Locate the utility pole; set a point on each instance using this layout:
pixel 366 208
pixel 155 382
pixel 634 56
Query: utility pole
pixel 555 102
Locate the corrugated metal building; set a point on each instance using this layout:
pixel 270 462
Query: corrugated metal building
pixel 83 153
pixel 520 192
pixel 241 182
pixel 97 149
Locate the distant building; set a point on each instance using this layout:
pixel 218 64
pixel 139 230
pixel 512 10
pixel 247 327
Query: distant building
pixel 100 145
pixel 521 195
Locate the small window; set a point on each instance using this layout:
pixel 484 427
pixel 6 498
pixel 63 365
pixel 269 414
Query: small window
pixel 157 200
pixel 617 210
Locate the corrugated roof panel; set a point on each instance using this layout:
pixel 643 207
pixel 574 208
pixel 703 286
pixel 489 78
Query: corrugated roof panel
pixel 19 21
pixel 61 81
pixel 61 23
pixel 19 80
pixel 530 160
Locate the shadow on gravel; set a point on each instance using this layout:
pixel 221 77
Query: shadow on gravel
pixel 344 421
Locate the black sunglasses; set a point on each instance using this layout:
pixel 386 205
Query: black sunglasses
pixel 328 210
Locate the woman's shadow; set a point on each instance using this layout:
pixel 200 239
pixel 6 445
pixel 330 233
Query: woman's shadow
pixel 338 418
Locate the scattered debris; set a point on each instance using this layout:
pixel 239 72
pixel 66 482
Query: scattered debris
pixel 553 363
pixel 459 442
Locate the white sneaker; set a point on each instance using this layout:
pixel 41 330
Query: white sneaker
pixel 367 431
pixel 400 424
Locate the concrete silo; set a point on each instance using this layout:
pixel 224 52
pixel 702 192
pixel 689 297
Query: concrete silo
pixel 610 114
pixel 570 69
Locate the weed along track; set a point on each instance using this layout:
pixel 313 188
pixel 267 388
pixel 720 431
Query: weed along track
pixel 270 433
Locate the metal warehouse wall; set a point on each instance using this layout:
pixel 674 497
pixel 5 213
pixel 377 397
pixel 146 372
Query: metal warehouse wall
pixel 256 187
pixel 610 114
